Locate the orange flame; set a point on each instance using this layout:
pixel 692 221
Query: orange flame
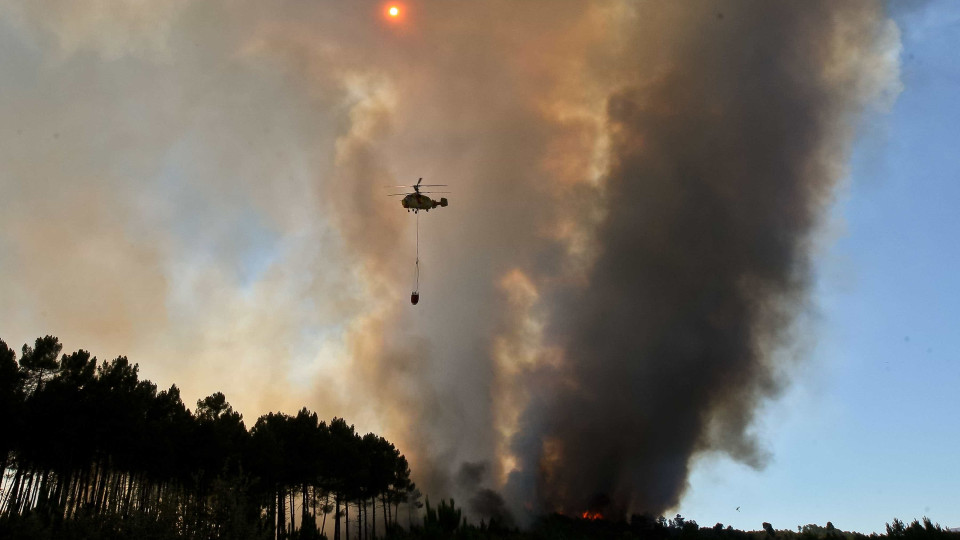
pixel 592 515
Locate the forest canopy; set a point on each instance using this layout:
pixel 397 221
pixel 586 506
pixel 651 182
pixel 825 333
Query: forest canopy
pixel 82 439
pixel 89 450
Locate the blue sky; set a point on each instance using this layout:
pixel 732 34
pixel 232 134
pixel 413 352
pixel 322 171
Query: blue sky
pixel 869 430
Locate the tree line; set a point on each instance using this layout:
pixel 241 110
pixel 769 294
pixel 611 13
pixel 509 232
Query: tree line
pixel 85 443
pixel 648 527
pixel 89 450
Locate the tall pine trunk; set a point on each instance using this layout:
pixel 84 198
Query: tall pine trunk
pixel 293 509
pixel 25 493
pixel 272 513
pixel 323 524
pixel 305 507
pixel 281 514
pixel 11 499
pixel 102 477
pixel 336 518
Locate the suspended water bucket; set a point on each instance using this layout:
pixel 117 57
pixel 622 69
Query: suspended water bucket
pixel 414 297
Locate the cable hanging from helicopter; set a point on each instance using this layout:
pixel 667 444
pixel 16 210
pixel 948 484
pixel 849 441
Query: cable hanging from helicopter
pixel 417 200
pixel 415 295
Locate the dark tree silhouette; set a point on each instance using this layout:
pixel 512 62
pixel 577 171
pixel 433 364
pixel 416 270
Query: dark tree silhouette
pixel 89 442
pixel 89 450
pixel 11 402
pixel 40 362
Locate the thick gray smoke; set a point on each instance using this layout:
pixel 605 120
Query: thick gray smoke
pixel 721 164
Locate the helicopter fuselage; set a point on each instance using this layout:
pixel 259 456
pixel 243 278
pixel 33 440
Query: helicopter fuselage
pixel 419 201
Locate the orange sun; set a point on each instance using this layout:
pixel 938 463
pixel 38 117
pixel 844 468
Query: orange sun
pixel 394 11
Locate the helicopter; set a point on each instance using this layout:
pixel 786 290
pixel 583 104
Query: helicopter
pixel 417 200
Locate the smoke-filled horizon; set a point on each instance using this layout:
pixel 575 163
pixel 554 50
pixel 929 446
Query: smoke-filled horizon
pixel 636 190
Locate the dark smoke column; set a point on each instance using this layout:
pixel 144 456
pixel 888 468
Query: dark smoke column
pixel 724 156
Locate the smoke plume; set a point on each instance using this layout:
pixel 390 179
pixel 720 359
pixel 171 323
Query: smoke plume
pixel 636 189
pixel 723 156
